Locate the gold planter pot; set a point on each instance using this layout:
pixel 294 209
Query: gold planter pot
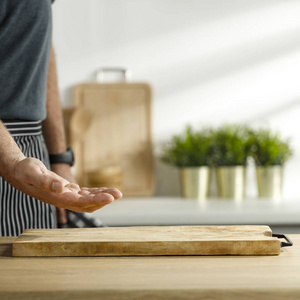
pixel 195 182
pixel 269 181
pixel 231 182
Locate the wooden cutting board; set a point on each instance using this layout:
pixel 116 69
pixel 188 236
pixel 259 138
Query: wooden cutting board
pixel 144 240
pixel 119 136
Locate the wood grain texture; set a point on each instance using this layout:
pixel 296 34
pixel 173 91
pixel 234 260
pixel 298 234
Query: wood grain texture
pixel 148 240
pixel 184 277
pixel 163 277
pixel 119 135
pixel 6 245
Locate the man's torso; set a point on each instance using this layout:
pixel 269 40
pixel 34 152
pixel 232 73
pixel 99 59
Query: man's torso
pixel 25 41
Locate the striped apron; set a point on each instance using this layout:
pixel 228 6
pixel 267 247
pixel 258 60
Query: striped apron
pixel 19 211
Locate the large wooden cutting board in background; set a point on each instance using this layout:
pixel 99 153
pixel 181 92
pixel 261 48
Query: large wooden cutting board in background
pixel 119 135
pixel 152 240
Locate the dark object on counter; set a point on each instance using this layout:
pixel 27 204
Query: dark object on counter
pixel 81 220
pixel 283 236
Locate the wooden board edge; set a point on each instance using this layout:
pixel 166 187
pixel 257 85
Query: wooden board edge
pixel 189 248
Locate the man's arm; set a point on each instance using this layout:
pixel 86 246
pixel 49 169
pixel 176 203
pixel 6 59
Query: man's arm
pixel 30 176
pixel 10 154
pixel 53 128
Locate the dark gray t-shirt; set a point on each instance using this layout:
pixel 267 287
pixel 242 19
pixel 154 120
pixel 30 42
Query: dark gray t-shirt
pixel 25 43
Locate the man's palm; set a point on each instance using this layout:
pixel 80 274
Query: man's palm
pixel 33 178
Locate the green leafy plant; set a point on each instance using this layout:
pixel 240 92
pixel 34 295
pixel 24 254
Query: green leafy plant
pixel 268 148
pixel 230 145
pixel 190 149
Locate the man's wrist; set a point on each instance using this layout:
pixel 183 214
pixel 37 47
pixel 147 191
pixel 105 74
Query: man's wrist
pixel 63 158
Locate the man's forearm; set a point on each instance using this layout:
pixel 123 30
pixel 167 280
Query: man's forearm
pixel 53 126
pixel 10 154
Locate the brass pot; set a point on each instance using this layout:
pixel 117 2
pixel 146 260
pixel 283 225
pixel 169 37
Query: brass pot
pixel 109 176
pixel 195 182
pixel 231 182
pixel 269 181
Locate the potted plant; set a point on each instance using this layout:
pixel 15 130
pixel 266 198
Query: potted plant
pixel 270 152
pixel 191 153
pixel 230 151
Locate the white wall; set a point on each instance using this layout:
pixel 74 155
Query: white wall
pixel 208 61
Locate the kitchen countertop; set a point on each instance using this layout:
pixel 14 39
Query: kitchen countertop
pixel 166 277
pixel 213 211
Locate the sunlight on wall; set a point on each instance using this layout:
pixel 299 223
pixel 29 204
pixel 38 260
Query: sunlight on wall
pixel 208 62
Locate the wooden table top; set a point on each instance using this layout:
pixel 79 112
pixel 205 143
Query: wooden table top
pixel 166 277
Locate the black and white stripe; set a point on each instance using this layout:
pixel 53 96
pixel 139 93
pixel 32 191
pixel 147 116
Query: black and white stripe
pixel 19 211
pixel 23 128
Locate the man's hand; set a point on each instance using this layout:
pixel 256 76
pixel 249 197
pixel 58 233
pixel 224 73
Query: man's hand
pixel 32 177
pixel 63 170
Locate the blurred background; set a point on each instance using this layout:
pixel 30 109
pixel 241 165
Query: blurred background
pixel 208 62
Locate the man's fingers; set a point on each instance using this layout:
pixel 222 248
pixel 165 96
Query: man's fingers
pixel 99 201
pixel 103 198
pixel 85 203
pixel 57 187
pixel 48 182
pixel 73 186
pixel 84 192
pixel 93 191
pixel 36 174
pixel 114 192
pixel 95 200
